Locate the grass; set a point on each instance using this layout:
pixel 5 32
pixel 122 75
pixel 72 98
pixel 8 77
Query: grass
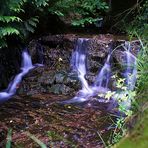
pixel 40 143
pixel 138 136
pixel 9 138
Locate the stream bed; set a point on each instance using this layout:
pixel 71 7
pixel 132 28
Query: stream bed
pixel 54 124
pixel 58 101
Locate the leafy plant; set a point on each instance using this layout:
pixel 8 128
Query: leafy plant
pixel 17 21
pixel 9 138
pixel 80 12
pixel 14 22
pixel 41 144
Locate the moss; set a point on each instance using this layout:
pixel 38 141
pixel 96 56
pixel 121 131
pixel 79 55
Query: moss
pixel 138 138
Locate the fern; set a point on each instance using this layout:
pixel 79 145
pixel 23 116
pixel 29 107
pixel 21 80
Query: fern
pixel 40 3
pixel 16 5
pixel 15 19
pixel 12 22
pixel 8 31
pixel 3 42
pixel 7 19
pixel 83 12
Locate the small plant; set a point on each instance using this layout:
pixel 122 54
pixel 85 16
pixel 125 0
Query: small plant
pixel 9 138
pixel 122 95
pixel 124 98
pixel 53 136
pixel 40 143
pixel 119 130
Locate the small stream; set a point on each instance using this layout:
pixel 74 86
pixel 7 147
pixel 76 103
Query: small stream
pixel 61 120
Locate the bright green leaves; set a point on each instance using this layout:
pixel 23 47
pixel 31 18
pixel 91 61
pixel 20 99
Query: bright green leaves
pixel 13 20
pixel 80 13
pixel 120 84
pixel 84 21
pixel 16 5
pixel 109 94
pixel 40 3
pixel 8 31
pixel 8 19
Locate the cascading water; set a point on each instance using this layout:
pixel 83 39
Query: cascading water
pixel 26 61
pixel 103 77
pixel 12 87
pixel 131 71
pixel 129 74
pixel 101 83
pixel 79 64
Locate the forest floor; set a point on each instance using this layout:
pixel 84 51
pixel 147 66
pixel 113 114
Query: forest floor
pixel 54 124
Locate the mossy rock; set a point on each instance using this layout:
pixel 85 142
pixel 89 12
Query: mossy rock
pixel 138 138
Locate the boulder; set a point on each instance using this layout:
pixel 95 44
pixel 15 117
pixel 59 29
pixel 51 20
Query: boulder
pixel 56 51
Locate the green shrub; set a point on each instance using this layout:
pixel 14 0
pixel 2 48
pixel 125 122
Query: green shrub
pixel 14 19
pixel 80 12
pixel 20 17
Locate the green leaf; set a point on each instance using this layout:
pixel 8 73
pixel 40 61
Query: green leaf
pixel 9 138
pixel 8 31
pixel 109 94
pixel 40 143
pixel 8 19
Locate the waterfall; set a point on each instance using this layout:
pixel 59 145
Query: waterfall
pixel 104 74
pixel 131 70
pixel 13 85
pixel 87 92
pixel 79 63
pixel 26 61
pixel 129 74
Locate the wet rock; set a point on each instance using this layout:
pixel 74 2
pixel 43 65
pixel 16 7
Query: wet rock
pixel 90 77
pixel 122 45
pixel 61 89
pixel 97 48
pixel 56 89
pixel 57 76
pixel 45 80
pixel 135 47
pixel 35 50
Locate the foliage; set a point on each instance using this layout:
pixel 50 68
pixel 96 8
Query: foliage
pixel 134 18
pixel 12 20
pixel 16 20
pixel 9 139
pixel 143 65
pixel 122 95
pixel 40 143
pixel 139 29
pixel 139 135
pixel 124 98
pixel 81 12
pixel 139 24
pixel 119 130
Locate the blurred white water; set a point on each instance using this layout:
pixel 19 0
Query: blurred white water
pixel 13 85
